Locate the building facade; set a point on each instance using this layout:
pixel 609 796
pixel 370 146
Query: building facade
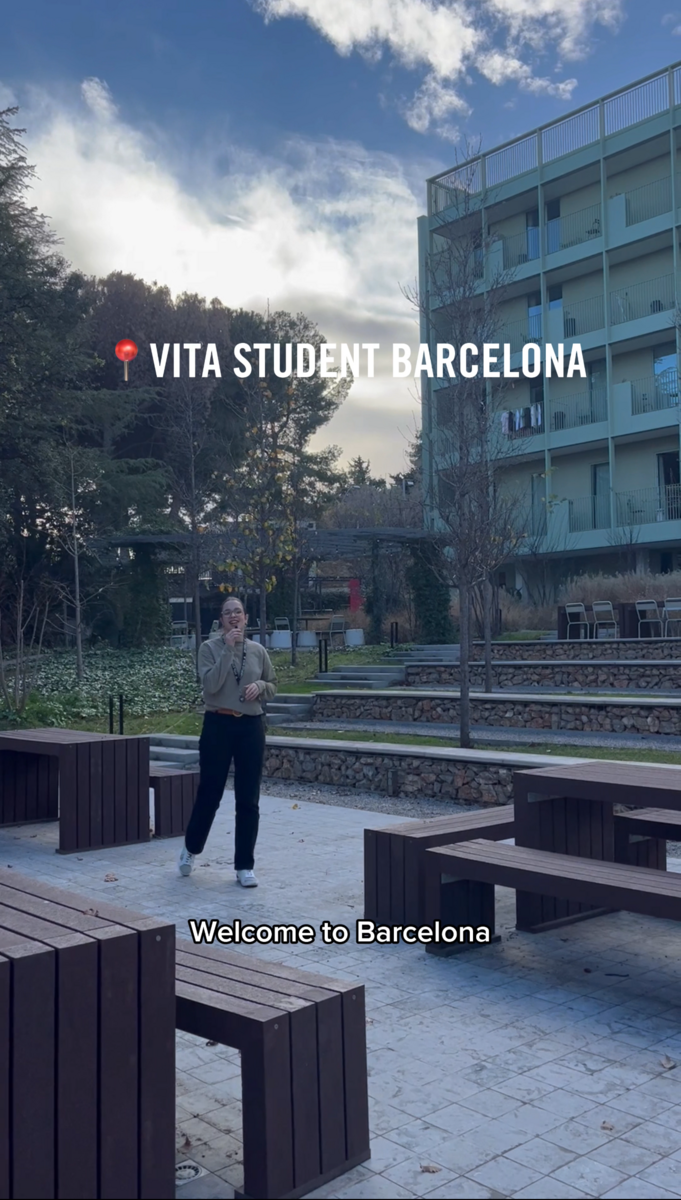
pixel 581 222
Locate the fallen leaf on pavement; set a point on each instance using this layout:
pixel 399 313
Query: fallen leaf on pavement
pixel 430 1168
pixel 668 1063
pixel 211 1043
pixel 295 806
pixel 607 1126
pixel 110 878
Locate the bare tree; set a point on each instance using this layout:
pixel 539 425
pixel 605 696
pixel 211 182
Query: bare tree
pixel 22 634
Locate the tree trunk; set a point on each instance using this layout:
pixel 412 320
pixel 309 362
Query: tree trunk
pixel 294 616
pixel 262 600
pixel 464 667
pixel 487 611
pixel 76 580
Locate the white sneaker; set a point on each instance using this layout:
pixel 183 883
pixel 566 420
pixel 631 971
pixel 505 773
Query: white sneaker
pixel 186 863
pixel 247 879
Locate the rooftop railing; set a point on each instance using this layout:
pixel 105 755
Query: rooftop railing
pixel 611 114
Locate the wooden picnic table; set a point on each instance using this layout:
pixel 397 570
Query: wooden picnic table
pixel 570 810
pixel 87 1047
pixel 95 784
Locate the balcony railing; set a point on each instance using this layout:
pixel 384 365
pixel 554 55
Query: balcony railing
pixel 642 299
pixel 648 505
pixel 611 114
pixel 522 333
pixel 583 316
pixel 522 248
pixel 573 229
pixel 589 512
pixel 581 408
pixel 650 200
pixel 523 422
pixel 655 393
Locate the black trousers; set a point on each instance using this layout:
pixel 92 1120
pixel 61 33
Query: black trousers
pixel 224 738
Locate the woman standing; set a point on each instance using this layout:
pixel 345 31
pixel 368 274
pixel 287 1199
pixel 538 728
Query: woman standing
pixel 236 675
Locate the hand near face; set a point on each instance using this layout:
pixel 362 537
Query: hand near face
pixel 251 692
pixel 233 636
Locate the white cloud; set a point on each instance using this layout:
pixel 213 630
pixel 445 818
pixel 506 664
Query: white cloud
pixel 501 68
pixel 430 107
pixel 326 229
pixel 98 98
pixel 449 38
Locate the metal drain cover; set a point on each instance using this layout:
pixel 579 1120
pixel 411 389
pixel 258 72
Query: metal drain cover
pixel 186 1171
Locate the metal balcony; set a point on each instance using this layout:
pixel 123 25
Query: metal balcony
pixel 642 299
pixel 648 505
pixel 573 229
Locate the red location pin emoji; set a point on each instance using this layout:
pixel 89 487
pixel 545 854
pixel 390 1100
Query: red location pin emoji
pixel 126 350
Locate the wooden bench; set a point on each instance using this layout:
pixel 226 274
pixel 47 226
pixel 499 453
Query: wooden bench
pixel 302 1039
pixel 460 883
pixel 641 836
pixel 87 1047
pixel 393 859
pixel 96 784
pixel 174 795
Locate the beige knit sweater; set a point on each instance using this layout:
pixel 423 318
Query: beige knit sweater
pixel 218 680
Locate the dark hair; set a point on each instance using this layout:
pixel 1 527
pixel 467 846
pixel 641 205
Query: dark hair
pixel 227 600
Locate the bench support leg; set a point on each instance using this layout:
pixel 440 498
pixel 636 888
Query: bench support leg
pixel 457 902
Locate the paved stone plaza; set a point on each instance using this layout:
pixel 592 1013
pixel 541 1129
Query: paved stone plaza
pixel 541 1066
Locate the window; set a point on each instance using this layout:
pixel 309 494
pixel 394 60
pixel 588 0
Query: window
pixel 664 358
pixel 600 492
pixel 532 233
pixel 552 226
pixel 556 296
pixel 534 316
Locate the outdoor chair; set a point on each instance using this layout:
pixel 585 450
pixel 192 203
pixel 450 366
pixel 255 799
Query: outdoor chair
pixel 671 614
pixel 577 619
pixel 648 614
pixel 281 623
pixel 336 629
pixel 604 619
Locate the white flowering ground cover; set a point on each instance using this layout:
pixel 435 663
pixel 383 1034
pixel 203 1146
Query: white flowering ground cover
pixel 151 681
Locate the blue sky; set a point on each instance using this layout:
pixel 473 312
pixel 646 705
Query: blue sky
pixel 276 150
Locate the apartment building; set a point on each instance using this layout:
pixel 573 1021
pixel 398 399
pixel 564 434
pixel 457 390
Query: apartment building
pixel 581 219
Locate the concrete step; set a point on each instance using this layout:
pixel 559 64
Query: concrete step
pixel 292 711
pixel 176 757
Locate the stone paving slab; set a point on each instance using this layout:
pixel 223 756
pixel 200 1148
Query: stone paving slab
pixel 533 1067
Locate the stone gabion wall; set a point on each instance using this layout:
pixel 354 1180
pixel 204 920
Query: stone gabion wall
pixel 606 716
pixel 618 676
pixel 394 774
pixel 616 648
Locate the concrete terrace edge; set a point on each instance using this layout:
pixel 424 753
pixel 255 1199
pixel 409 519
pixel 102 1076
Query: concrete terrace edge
pixel 420 693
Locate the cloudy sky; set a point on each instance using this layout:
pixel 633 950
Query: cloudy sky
pixel 276 150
